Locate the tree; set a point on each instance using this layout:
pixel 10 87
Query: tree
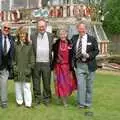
pixel 112 17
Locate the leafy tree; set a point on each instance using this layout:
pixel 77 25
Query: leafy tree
pixel 112 17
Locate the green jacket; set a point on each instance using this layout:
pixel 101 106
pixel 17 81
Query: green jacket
pixel 24 62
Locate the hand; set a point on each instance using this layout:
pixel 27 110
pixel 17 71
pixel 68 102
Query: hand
pixel 86 55
pixel 27 72
pixel 15 70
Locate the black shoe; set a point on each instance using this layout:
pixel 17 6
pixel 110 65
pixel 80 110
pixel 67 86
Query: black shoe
pixel 87 107
pixel 4 106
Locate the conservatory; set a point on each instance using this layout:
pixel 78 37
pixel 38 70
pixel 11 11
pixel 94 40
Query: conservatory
pixel 58 13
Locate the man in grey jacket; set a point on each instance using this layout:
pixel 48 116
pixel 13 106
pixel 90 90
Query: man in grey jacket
pixel 42 44
pixel 84 49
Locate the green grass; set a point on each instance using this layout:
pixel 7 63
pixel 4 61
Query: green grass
pixel 106 104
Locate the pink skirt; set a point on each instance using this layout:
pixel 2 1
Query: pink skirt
pixel 65 81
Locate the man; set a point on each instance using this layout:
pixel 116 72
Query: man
pixel 6 56
pixel 42 44
pixel 85 50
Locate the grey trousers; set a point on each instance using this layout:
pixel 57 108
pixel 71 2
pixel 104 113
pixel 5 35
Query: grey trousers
pixel 42 72
pixel 3 85
pixel 85 84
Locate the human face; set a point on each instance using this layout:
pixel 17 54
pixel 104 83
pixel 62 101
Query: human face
pixel 22 36
pixel 6 30
pixel 81 29
pixel 63 34
pixel 42 26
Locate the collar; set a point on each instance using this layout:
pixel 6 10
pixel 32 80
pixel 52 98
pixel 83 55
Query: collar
pixel 41 33
pixel 83 37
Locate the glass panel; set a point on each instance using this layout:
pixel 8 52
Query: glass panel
pixel 91 31
pixel 100 32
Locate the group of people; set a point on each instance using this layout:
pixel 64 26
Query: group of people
pixel 73 63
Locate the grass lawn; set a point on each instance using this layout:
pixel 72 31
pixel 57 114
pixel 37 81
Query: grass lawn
pixel 106 104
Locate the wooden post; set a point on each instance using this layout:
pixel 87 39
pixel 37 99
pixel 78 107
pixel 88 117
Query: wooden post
pixel 71 10
pixel 65 11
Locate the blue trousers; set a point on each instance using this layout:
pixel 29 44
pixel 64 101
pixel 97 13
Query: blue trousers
pixel 85 84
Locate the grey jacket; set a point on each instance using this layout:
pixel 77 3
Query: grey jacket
pixel 34 43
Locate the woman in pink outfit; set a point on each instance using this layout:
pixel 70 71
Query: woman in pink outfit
pixel 65 81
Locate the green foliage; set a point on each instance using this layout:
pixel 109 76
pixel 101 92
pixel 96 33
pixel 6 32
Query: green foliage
pixel 112 19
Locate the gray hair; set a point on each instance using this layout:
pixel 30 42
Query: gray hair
pixel 41 19
pixel 63 30
pixel 86 24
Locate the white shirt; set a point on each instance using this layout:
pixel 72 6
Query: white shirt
pixel 42 48
pixel 7 41
pixel 84 44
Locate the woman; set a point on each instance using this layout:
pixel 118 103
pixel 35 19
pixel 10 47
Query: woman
pixel 65 83
pixel 24 62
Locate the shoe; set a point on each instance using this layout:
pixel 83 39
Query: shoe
pixel 88 113
pixel 18 105
pixel 87 107
pixel 4 106
pixel 81 106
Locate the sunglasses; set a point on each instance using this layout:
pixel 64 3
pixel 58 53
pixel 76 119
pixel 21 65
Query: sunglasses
pixel 6 28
